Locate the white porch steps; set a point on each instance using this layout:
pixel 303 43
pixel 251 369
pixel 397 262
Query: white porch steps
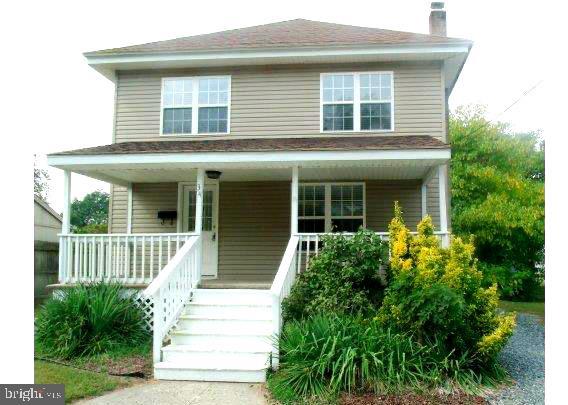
pixel 223 335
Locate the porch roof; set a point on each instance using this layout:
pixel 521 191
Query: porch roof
pixel 266 145
pixel 384 157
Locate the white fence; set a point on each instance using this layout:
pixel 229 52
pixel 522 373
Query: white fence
pixel 125 258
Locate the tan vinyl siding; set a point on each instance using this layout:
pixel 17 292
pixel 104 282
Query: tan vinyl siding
pixel 254 228
pixel 433 202
pixel 381 195
pixel 281 100
pixel 118 209
pixel 147 200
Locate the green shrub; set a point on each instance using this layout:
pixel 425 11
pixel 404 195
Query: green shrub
pixel 89 319
pixel 344 278
pixel 92 228
pixel 438 294
pixel 326 354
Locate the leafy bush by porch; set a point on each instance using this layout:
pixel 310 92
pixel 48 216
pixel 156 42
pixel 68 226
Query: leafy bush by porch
pixel 437 294
pixel 88 320
pixel 343 279
pixel 434 326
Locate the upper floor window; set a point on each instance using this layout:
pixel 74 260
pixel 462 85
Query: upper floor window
pixel 357 101
pixel 195 105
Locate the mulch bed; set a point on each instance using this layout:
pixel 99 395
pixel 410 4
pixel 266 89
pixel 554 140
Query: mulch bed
pixel 132 366
pixel 413 399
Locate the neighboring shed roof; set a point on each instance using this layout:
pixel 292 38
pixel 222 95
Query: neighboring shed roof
pixel 293 34
pixel 266 145
pixel 46 207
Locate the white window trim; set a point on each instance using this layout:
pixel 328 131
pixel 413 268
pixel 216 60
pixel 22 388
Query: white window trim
pixel 195 105
pixel 327 210
pixel 356 102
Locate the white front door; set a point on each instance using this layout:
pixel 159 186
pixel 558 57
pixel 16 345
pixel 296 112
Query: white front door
pixel 210 224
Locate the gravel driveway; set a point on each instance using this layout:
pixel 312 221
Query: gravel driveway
pixel 524 358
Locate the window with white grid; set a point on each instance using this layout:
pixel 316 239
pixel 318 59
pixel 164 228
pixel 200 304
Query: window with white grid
pixel 355 102
pixel 331 207
pixel 196 105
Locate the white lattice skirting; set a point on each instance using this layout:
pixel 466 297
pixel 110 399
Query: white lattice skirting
pixel 147 306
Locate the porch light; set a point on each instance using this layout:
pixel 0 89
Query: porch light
pixel 213 174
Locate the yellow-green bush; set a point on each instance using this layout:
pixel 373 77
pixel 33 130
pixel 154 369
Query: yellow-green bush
pixel 437 294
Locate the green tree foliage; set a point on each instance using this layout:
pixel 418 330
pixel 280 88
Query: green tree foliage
pixel 498 196
pixel 343 279
pixel 91 210
pixel 437 294
pixel 92 228
pixel 41 183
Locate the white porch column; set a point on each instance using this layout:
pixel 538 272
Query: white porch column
pixel 199 186
pixel 424 193
pixel 66 228
pixel 442 182
pixel 294 202
pixel 129 210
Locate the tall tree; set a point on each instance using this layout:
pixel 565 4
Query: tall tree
pixel 91 210
pixel 41 182
pixel 498 196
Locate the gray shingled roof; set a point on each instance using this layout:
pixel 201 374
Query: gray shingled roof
pixel 266 145
pixel 293 33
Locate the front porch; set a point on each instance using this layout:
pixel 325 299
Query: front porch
pixel 248 217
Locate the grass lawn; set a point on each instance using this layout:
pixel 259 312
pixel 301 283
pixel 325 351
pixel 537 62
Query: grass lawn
pixel 534 308
pixel 78 383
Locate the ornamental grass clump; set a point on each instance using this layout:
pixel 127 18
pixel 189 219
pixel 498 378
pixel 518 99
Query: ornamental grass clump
pixel 437 294
pixel 344 278
pixel 327 354
pixel 88 320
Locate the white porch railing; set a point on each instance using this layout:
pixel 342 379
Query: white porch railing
pixel 172 289
pixel 311 243
pixel 124 258
pixel 281 287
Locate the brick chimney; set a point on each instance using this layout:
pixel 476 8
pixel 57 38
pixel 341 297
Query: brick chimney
pixel 437 19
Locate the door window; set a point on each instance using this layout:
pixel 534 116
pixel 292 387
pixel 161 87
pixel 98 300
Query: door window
pixel 207 211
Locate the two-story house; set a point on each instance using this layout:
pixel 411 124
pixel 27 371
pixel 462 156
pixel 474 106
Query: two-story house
pixel 233 152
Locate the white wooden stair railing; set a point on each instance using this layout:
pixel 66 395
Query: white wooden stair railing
pixel 281 287
pixel 172 289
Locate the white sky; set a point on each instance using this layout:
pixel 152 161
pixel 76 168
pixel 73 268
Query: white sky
pixel 506 59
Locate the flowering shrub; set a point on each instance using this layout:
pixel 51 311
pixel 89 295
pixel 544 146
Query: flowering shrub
pixel 438 295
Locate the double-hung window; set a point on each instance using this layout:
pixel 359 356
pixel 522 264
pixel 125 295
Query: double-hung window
pixel 331 207
pixel 353 102
pixel 196 105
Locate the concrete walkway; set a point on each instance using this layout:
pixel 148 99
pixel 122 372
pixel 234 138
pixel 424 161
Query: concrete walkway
pixel 183 392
